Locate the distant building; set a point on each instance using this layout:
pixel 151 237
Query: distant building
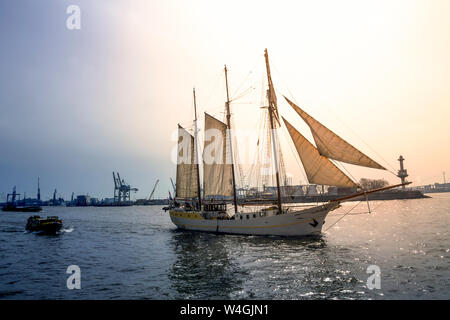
pixel 312 190
pixel 292 191
pixel 83 201
pixel 332 190
pixel 108 201
pixel 442 185
pixel 346 190
pixel 434 188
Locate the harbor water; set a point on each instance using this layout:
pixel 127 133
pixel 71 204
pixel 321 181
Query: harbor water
pixel 137 253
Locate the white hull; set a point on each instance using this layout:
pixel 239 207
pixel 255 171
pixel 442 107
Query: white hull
pixel 295 222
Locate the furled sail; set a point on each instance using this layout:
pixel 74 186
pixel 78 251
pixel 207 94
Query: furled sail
pixel 186 186
pixel 217 171
pixel 319 169
pixel 332 146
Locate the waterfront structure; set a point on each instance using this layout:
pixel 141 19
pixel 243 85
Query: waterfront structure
pixel 83 201
pixel 402 173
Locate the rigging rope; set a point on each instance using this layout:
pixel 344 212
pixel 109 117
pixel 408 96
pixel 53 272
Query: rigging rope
pixel 343 216
pixel 246 78
pixel 339 164
pixel 348 212
pixel 295 153
pixel 342 122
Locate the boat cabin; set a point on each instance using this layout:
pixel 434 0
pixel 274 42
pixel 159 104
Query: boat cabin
pixel 215 207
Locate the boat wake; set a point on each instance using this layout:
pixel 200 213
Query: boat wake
pixel 12 229
pixel 41 232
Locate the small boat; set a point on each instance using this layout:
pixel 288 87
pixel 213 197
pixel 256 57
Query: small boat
pixel 14 208
pixel 50 225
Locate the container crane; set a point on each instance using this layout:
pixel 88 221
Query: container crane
pixel 153 191
pixel 122 191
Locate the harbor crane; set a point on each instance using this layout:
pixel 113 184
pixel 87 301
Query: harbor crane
pixel 153 191
pixel 122 191
pixel 13 196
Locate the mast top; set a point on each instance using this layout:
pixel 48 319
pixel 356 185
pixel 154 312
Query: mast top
pixel 195 105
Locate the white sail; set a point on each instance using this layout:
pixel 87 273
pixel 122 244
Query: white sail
pixel 217 171
pixel 186 186
pixel 332 146
pixel 319 169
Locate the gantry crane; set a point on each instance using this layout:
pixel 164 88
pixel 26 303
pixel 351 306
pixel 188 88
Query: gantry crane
pixel 153 191
pixel 122 191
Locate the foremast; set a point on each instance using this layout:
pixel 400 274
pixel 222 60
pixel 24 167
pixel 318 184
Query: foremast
pixel 196 152
pixel 227 107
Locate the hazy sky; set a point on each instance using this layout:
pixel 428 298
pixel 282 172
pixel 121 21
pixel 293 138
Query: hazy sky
pixel 76 105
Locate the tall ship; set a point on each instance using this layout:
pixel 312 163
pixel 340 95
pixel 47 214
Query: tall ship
pixel 217 207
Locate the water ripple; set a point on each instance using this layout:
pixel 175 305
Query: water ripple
pixel 137 253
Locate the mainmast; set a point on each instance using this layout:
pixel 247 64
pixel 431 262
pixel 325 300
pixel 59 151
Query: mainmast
pixel 227 106
pixel 196 152
pixel 273 108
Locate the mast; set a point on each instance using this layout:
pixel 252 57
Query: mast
pixel 272 108
pixel 39 192
pixel 196 152
pixel 227 106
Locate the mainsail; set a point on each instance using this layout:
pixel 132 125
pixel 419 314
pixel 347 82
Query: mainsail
pixel 217 171
pixel 332 146
pixel 186 186
pixel 319 169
